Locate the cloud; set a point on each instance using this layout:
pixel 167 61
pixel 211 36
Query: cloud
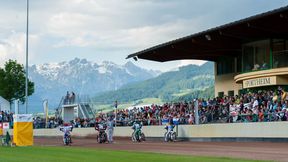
pixel 136 38
pixel 14 47
pixel 113 25
pixel 189 62
pixel 111 28
pixel 146 36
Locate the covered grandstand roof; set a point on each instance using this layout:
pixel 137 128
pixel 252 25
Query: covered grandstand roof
pixel 222 40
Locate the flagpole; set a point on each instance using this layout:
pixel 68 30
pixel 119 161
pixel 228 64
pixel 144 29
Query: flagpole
pixel 26 78
pixel 116 105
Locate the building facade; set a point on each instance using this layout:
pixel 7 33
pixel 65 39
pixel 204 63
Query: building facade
pixel 4 105
pixel 249 55
pixel 261 63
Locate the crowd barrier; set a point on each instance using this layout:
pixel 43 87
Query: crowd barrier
pixel 229 130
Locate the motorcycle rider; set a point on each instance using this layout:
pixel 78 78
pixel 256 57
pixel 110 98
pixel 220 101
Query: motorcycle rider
pixel 170 134
pixel 170 124
pixel 66 128
pixel 100 126
pixel 137 124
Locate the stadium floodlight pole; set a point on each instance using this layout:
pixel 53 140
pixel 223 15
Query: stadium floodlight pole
pixel 26 79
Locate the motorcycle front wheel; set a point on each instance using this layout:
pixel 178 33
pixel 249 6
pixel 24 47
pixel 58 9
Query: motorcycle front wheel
pixel 143 138
pixel 166 139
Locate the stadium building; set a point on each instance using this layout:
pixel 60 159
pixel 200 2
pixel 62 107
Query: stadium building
pixel 249 54
pixel 4 105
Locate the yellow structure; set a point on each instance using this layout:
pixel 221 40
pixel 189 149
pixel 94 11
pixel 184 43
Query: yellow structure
pixel 23 130
pixel 1 129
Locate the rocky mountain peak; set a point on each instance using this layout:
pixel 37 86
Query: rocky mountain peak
pixel 83 77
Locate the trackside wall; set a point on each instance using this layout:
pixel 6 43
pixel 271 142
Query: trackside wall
pixel 234 130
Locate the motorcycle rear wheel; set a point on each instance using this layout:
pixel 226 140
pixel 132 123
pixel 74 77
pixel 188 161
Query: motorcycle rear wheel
pixel 173 136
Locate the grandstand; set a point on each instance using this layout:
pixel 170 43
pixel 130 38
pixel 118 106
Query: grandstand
pixel 250 54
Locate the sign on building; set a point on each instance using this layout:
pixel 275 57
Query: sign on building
pixel 259 82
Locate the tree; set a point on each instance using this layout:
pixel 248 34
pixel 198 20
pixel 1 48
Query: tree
pixel 12 82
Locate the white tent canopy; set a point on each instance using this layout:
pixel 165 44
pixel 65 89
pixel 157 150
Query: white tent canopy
pixel 138 106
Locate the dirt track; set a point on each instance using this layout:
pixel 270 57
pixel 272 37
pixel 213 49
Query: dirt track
pixel 245 150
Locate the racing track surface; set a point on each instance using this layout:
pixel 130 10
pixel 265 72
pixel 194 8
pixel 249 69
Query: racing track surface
pixel 244 150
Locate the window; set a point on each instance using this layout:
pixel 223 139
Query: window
pixel 225 65
pixel 256 56
pixel 239 63
pixel 248 58
pixel 230 93
pixel 280 53
pixel 220 94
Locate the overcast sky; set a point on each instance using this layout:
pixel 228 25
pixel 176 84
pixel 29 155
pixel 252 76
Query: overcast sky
pixel 112 29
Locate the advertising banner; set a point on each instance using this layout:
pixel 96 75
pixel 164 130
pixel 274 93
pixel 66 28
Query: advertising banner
pixel 1 128
pixel 23 130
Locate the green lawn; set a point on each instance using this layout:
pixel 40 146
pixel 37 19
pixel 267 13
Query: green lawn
pixel 104 108
pixel 149 101
pixel 72 154
pixel 145 101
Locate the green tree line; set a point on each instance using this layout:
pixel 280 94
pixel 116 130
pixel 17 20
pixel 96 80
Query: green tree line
pixel 12 82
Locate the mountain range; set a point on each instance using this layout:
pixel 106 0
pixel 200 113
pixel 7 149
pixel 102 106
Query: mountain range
pixel 83 77
pixel 106 82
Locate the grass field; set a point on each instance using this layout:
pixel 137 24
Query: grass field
pixel 146 101
pixel 69 154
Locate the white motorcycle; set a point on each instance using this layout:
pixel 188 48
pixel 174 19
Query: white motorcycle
pixel 170 135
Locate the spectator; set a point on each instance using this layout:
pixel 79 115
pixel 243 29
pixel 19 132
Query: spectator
pixel 261 106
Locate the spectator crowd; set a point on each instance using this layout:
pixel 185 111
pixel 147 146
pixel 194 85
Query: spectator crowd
pixel 260 106
pixel 6 117
pixel 52 122
pixel 69 98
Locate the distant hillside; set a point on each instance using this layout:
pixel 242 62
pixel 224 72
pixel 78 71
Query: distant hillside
pixel 185 83
pixel 53 80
